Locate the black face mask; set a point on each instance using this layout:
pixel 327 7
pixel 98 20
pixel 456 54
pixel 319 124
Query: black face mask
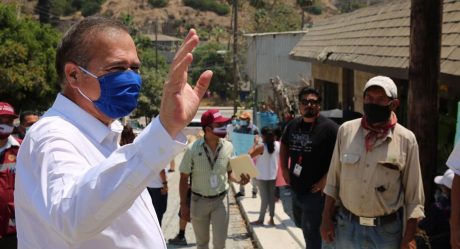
pixel 310 114
pixel 377 113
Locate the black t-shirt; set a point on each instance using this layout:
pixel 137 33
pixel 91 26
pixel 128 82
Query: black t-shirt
pixel 312 144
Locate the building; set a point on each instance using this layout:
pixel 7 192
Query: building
pixel 167 45
pixel 268 58
pixel 346 50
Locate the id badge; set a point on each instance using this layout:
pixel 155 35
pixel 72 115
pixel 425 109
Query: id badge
pixel 297 170
pixel 213 181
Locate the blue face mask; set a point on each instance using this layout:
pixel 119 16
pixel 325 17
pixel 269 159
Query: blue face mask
pixel 244 123
pixel 234 122
pixel 119 92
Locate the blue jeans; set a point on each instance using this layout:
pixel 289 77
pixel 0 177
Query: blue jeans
pixel 350 234
pixel 307 209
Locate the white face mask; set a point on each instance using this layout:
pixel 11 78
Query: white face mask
pixel 220 131
pixel 6 129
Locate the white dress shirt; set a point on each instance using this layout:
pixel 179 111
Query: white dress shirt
pixel 76 188
pixel 453 161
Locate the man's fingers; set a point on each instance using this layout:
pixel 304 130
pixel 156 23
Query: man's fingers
pixel 178 74
pixel 189 44
pixel 203 83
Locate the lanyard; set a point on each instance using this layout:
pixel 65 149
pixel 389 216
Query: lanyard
pixel 299 160
pixel 209 158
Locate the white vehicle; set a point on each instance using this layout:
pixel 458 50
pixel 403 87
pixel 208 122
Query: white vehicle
pixel 193 128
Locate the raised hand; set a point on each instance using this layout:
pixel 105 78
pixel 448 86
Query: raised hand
pixel 180 101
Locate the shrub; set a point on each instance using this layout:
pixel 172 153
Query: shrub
pixel 158 3
pixel 257 3
pixel 315 10
pixel 208 5
pixel 89 8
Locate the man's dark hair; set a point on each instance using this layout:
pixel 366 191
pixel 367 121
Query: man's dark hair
pixel 309 90
pixel 75 46
pixel 24 114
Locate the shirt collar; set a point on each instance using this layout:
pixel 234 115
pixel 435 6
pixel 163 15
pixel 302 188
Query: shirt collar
pixel 10 142
pixel 202 141
pixel 388 136
pixel 83 120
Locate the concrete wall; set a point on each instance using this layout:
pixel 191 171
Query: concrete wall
pixel 268 57
pixel 360 79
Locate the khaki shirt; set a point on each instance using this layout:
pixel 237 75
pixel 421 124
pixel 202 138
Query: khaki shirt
pixel 196 163
pixel 378 182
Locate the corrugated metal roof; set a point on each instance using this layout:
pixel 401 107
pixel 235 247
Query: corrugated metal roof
pixel 378 36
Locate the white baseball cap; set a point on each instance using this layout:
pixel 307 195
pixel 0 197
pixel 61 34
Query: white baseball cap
pixel 384 82
pixel 445 179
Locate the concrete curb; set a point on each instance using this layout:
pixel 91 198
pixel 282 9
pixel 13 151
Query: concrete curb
pixel 284 235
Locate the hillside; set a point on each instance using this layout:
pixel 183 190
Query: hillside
pixel 176 13
pixel 175 18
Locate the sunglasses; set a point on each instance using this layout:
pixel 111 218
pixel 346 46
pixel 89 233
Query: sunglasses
pixel 309 101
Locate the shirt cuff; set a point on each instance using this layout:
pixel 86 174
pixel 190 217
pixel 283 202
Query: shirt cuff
pixel 331 191
pixel 156 145
pixel 414 211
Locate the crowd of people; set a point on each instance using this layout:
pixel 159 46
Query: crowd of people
pixel 76 178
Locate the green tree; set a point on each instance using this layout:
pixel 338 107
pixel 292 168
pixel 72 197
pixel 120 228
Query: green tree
pixel 154 72
pixel 28 77
pixel 213 56
pixel 280 17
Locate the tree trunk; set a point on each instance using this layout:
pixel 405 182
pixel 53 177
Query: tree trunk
pixel 424 66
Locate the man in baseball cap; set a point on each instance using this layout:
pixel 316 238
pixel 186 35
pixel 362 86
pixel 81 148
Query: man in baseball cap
pixel 208 161
pixel 7 117
pixel 376 162
pixel 436 225
pixel 247 127
pixel 9 147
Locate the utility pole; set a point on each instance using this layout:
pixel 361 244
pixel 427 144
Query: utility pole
pixel 156 47
pixel 424 67
pixel 43 9
pixel 235 56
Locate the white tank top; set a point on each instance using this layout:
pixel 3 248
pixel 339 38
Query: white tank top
pixel 267 163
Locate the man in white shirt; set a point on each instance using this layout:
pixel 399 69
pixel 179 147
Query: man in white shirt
pixel 454 163
pixel 75 187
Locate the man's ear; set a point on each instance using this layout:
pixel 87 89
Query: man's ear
pixel 70 71
pixel 394 104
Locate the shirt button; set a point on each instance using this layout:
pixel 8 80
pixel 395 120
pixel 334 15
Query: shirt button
pixel 362 196
pixel 161 150
pixel 364 181
pixel 367 165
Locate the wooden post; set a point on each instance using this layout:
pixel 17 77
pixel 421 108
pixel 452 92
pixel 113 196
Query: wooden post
pixel 424 66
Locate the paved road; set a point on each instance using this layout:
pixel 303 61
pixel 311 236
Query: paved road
pixel 238 237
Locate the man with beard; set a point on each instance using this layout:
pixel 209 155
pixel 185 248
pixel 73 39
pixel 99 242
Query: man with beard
pixel 374 177
pixel 307 143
